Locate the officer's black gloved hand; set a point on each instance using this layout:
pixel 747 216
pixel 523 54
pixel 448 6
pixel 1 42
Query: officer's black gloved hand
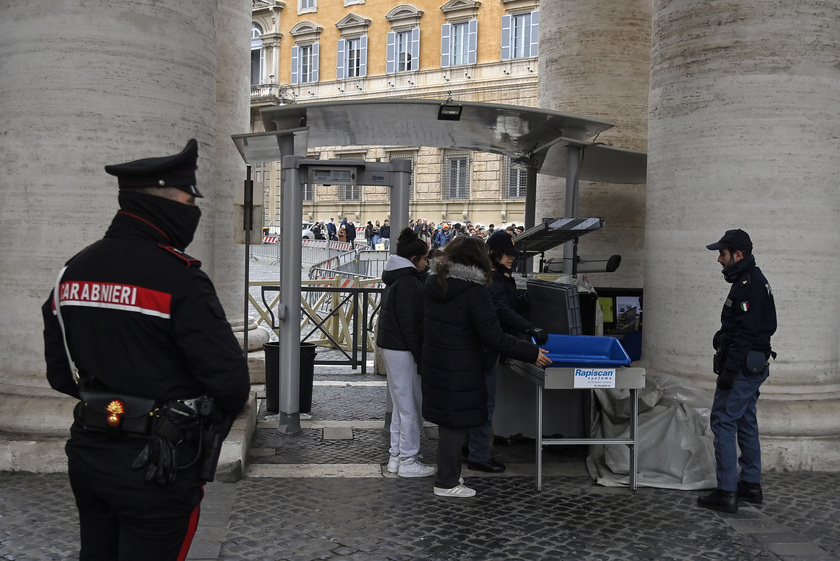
pixel 172 422
pixel 540 335
pixel 725 379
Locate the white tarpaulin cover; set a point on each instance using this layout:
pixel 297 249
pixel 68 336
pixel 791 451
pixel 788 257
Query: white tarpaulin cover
pixel 675 441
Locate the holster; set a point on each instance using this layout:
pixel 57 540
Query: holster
pixel 116 413
pixel 719 361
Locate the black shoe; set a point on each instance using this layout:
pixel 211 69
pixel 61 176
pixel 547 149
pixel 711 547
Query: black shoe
pixel 725 501
pixel 491 466
pixel 750 492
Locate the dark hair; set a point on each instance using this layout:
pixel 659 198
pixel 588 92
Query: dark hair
pixel 409 245
pixel 464 250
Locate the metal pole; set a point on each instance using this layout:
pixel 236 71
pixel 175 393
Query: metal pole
pixel 289 308
pixel 246 221
pixel 400 179
pixel 572 163
pixel 530 208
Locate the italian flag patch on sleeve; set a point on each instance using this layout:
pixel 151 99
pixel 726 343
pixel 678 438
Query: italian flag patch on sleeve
pixel 745 306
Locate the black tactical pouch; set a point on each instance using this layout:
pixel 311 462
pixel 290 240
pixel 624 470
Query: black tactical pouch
pixel 756 362
pixel 115 413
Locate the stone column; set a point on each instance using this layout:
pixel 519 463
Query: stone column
pixel 594 62
pixel 743 133
pixel 85 84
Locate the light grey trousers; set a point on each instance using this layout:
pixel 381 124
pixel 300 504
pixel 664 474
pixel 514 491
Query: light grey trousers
pixel 404 388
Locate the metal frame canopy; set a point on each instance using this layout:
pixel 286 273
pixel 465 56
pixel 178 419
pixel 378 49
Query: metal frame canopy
pixel 534 137
pixel 544 141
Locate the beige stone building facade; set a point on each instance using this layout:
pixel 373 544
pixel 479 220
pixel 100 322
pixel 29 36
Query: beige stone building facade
pixel 319 50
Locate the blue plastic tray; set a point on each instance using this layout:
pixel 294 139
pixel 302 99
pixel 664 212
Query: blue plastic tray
pixel 577 350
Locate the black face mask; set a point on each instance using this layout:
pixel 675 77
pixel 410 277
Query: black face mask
pixel 177 220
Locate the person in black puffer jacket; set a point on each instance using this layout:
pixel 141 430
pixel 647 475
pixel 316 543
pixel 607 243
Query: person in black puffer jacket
pixel 510 305
pixel 400 336
pixel 459 321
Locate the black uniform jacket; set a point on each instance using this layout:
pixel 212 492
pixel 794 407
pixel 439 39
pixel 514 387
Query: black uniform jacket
pixel 748 319
pixel 143 319
pixel 510 305
pixel 401 317
pixel 458 324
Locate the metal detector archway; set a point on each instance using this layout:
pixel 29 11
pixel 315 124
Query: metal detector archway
pixel 297 172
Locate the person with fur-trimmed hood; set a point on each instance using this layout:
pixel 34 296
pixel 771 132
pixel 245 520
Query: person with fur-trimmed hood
pixel 459 322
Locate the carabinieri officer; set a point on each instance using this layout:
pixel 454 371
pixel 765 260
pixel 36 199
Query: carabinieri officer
pixel 140 337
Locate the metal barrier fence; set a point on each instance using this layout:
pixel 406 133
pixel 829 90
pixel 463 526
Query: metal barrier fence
pixel 266 251
pixel 338 313
pixel 362 262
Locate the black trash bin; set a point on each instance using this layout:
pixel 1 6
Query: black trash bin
pixel 272 376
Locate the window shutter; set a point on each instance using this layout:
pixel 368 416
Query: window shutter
pixel 363 56
pixel 415 48
pixel 507 22
pixel 340 59
pixel 445 40
pixel 295 65
pixel 535 34
pixel 391 53
pixel 472 41
pixel 314 77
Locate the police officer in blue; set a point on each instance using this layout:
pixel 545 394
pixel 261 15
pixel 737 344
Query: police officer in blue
pixel 136 332
pixel 742 351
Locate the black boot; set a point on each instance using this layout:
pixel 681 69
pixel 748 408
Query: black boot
pixel 725 501
pixel 750 492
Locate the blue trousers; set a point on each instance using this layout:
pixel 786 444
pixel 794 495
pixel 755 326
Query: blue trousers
pixel 479 440
pixel 735 426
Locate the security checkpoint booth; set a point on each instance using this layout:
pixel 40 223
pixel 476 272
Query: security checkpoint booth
pixel 544 141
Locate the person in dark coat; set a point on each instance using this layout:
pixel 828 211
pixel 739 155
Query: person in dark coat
pixel 400 337
pixel 144 328
pixel 510 307
pixel 459 322
pixel 351 232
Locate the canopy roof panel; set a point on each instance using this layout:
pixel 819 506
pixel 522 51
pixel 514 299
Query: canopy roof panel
pixel 487 127
pixel 535 137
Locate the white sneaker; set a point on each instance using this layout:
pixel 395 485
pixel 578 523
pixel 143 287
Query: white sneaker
pixel 458 491
pixel 393 464
pixel 412 467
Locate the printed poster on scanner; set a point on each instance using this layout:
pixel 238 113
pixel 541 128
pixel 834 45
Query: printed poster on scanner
pixel 594 377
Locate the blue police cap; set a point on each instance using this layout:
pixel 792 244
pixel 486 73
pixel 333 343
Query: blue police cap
pixel 168 171
pixel 733 239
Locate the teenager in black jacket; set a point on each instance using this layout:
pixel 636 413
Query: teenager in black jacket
pixel 400 336
pixel 459 321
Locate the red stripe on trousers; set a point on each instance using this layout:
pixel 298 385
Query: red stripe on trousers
pixel 185 547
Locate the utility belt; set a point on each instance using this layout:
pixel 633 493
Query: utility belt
pixel 755 361
pixel 196 423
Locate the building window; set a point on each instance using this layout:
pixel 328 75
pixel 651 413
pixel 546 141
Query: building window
pixel 520 35
pixel 412 157
pixel 307 5
pixel 308 192
pixel 351 192
pixel 352 58
pixel 402 48
pixel 456 175
pixel 304 65
pixel 516 177
pixel 403 51
pixel 256 54
pixel 458 43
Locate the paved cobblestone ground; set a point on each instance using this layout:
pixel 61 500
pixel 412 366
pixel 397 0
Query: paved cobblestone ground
pixel 387 518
